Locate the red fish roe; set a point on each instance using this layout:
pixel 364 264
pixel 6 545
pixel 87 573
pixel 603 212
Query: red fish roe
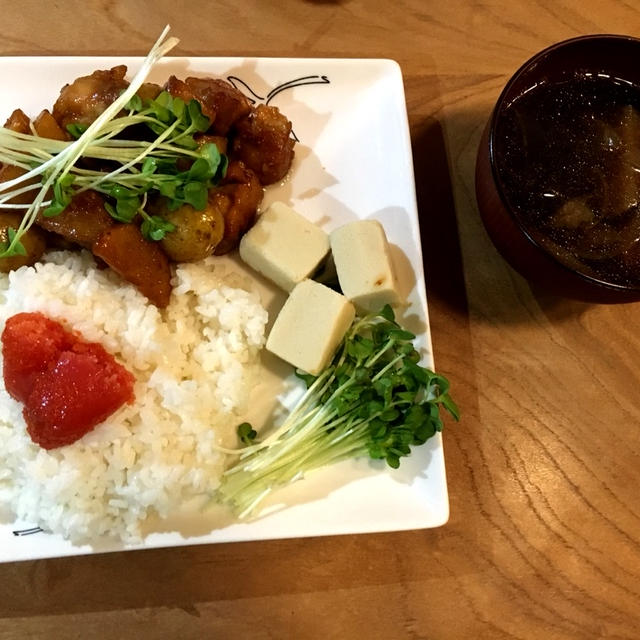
pixel 68 385
pixel 30 343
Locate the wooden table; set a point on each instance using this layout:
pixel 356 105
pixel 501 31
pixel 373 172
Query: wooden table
pixel 543 470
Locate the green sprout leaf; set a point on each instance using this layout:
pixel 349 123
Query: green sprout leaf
pixel 178 108
pixel 200 170
pixel 149 166
pixel 12 246
pixel 387 313
pixel 135 104
pixel 126 208
pixel 246 433
pixel 76 129
pixel 195 194
pixel 155 228
pixel 393 460
pixel 199 121
pixel 54 209
pixel 62 195
pixel 161 107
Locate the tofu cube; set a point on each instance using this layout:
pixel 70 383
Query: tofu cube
pixel 310 326
pixel 284 246
pixel 363 262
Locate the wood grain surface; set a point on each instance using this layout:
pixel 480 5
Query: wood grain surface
pixel 543 470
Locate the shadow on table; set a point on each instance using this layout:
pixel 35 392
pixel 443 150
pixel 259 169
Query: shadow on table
pixel 438 223
pixel 464 268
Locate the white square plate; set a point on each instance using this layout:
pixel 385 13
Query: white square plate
pixel 353 161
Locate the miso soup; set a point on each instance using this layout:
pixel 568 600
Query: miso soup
pixel 568 158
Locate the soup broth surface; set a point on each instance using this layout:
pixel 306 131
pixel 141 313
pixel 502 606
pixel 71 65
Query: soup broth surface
pixel 568 157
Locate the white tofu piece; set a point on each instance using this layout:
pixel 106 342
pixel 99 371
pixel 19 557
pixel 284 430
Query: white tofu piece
pixel 363 262
pixel 310 326
pixel 284 246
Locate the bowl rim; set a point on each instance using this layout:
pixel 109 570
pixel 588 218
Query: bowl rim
pixel 492 159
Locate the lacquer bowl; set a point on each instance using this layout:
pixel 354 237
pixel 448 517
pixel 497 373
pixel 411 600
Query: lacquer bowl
pixel 616 55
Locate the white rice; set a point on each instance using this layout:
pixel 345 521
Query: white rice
pixel 194 365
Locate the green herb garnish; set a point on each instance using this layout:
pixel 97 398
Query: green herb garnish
pixel 142 166
pixel 76 129
pixel 374 399
pixel 13 241
pixel 246 433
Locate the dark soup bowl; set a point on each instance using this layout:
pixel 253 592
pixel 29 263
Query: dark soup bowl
pixel 558 169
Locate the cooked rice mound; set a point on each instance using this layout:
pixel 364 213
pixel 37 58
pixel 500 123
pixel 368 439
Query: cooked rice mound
pixel 194 364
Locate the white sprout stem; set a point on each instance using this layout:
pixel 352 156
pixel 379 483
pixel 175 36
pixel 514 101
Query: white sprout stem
pixel 259 498
pixel 52 162
pixel 313 428
pixel 15 139
pixel 62 163
pixel 118 125
pixel 159 140
pixel 116 150
pixel 71 153
pixel 312 432
pixel 310 396
pixel 9 196
pixel 293 423
pixel 266 457
pixel 159 49
pixel 33 209
pixel 249 488
pixel 390 365
pixel 374 358
pixel 22 207
pixel 23 159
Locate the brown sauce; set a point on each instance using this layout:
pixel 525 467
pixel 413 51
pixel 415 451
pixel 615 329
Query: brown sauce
pixel 568 157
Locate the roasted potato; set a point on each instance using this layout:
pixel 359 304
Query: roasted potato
pixel 33 241
pixel 18 121
pixel 10 172
pixel 197 233
pixel 47 127
pixel 140 261
pixel 83 220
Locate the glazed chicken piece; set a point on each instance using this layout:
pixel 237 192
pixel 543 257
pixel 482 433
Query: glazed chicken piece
pixel 238 198
pixel 87 97
pixel 140 261
pixel 263 143
pixel 221 102
pixel 83 220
